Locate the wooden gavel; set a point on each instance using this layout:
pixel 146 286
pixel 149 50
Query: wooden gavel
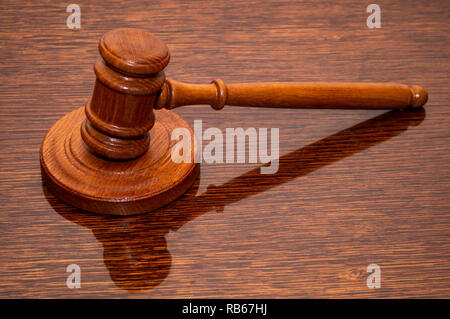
pixel 118 161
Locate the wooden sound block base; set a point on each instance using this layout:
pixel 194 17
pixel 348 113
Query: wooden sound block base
pixel 89 182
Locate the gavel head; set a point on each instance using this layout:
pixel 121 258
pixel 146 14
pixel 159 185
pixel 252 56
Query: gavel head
pixel 129 76
pixel 113 156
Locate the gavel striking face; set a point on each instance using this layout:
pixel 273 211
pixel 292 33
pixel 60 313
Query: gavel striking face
pixel 113 155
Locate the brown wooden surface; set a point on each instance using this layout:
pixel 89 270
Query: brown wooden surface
pixel 352 189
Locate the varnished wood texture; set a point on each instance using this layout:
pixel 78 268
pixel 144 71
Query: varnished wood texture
pixel 353 188
pixel 129 77
pixel 296 95
pixel 96 184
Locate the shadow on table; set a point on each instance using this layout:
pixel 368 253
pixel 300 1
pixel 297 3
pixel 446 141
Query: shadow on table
pixel 135 248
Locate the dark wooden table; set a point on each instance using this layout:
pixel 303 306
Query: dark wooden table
pixel 353 188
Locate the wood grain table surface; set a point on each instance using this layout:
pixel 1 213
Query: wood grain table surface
pixel 353 187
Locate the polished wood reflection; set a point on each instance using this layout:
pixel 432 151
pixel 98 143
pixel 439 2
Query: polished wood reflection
pixel 134 247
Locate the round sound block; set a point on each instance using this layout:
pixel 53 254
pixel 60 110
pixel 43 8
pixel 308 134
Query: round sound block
pixel 89 182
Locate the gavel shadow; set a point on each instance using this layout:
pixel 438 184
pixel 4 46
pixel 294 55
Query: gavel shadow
pixel 135 248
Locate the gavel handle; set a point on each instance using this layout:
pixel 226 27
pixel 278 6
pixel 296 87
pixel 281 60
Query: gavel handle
pixel 325 95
